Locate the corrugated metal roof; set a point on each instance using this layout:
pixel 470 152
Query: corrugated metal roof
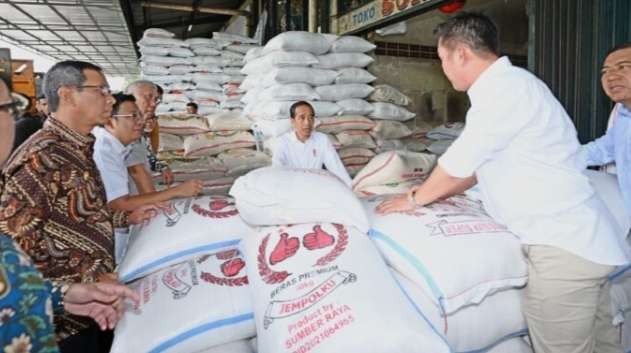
pixel 87 30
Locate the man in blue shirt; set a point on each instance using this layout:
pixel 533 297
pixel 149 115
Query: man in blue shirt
pixel 615 145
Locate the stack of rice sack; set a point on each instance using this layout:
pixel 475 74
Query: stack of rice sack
pixel 462 269
pixel 215 148
pixel 191 278
pixel 317 280
pixel 201 70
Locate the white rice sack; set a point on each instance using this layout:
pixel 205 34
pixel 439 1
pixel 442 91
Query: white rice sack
pixel 206 51
pixel 165 60
pixel 175 97
pixel 243 48
pixel 452 249
pixel 208 109
pixel 251 96
pixel 414 145
pixel 209 86
pixel 390 129
pixel 314 43
pixel 242 346
pixel 171 108
pixel 251 82
pixel 389 94
pixel 231 104
pixel 278 59
pixel 337 124
pixel 310 282
pixel 607 187
pixel 272 128
pixel 341 60
pixel 191 227
pixel 179 87
pixel 253 54
pixel 168 142
pixel 154 70
pixel 233 38
pixel 385 189
pixel 212 68
pixel 470 328
pixel 389 111
pixel 232 71
pixel 355 138
pixel 218 186
pixel 225 121
pixel 204 95
pixel 446 131
pixel 181 52
pixel 340 92
pixel 161 42
pixel 210 77
pixel 213 143
pixel 167 79
pixel 240 161
pixel 439 147
pixel 201 168
pixel 203 42
pixel 354 75
pixel 197 304
pixel 184 124
pixel 289 92
pixel 158 51
pixel 355 106
pixel 513 345
pixel 273 196
pixel 314 77
pixel 352 44
pixel 388 145
pixel 336 144
pixel 230 55
pixel 355 156
pixel 157 33
pixel 181 69
pixel 235 79
pixel 205 60
pixel 273 110
pixel 394 167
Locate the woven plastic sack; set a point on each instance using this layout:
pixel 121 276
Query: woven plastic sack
pixel 240 161
pixel 182 124
pixel 352 44
pixel 388 94
pixel 394 167
pixel 341 60
pixel 226 121
pixel 314 77
pixel 213 143
pixel 267 62
pixel 354 75
pixel 314 43
pixel 157 33
pixel 337 124
pixel 234 38
pixel 355 138
pixel 289 92
pixel 355 106
pixel 340 92
pixel 390 129
pixel 389 111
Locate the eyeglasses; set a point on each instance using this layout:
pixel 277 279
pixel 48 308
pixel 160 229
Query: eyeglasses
pixel 137 117
pixel 104 89
pixel 152 98
pixel 10 107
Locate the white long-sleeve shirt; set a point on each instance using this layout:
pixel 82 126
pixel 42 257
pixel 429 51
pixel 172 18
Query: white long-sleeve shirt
pixel 522 146
pixel 317 151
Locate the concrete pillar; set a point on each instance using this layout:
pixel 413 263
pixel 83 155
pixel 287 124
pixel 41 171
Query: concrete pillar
pixel 313 15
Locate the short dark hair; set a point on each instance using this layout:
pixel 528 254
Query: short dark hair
pixel 292 109
pixel 119 99
pixel 159 89
pixel 625 45
pixel 40 97
pixel 475 30
pixel 64 73
pixel 192 104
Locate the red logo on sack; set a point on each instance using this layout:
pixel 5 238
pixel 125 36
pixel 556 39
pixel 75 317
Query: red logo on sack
pixel 287 247
pixel 217 208
pixel 229 270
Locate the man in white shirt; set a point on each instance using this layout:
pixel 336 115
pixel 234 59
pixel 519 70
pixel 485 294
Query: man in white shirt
pixel 112 146
pixel 520 147
pixel 305 148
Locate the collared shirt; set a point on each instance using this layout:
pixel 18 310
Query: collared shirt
pixel 615 146
pixel 109 156
pixel 317 151
pixel 522 147
pixel 53 204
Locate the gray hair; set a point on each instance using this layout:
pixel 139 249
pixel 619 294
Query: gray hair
pixel 475 30
pixel 65 73
pixel 132 87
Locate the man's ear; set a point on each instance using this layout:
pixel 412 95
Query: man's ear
pixel 66 95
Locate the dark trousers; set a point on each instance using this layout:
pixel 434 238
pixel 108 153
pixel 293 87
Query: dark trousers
pixel 91 340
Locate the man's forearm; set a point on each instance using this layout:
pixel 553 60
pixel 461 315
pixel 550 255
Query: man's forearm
pixel 132 202
pixel 440 185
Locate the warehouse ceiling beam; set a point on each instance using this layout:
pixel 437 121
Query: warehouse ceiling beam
pixel 180 22
pixel 189 8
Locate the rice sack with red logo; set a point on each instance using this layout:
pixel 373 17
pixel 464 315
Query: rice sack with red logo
pixel 189 227
pixel 188 307
pixel 452 249
pixel 320 286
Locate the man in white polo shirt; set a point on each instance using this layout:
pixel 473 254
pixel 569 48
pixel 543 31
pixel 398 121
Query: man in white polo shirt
pixel 520 147
pixel 112 146
pixel 304 148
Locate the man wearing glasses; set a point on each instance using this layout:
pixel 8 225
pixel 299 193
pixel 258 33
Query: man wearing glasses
pixel 113 143
pixel 53 201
